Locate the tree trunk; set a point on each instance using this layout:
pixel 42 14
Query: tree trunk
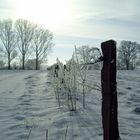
pixel 37 58
pixel 36 62
pixel 127 65
pixel 23 61
pixel 9 61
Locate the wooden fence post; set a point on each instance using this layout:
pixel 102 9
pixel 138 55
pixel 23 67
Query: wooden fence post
pixel 109 91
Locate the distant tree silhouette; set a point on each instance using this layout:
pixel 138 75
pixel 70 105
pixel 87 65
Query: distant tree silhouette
pixel 127 54
pixel 7 36
pixel 42 43
pixel 24 30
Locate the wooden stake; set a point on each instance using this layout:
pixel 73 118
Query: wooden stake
pixel 109 91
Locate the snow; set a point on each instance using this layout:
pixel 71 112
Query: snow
pixel 27 101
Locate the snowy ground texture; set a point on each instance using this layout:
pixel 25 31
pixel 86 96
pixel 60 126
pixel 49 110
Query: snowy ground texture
pixel 27 101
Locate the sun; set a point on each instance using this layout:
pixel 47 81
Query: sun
pixel 50 13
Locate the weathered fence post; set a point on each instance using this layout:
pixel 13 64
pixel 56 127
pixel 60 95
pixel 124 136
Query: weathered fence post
pixel 109 91
pixel 47 134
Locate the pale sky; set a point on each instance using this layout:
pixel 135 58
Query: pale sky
pixel 78 22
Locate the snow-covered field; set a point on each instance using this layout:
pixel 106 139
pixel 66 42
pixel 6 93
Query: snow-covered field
pixel 27 101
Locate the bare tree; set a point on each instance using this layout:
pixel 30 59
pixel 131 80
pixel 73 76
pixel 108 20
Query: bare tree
pixel 24 30
pixel 127 54
pixel 88 55
pixel 83 54
pixel 7 36
pixel 42 41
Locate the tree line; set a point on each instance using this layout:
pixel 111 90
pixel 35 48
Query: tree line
pixel 24 40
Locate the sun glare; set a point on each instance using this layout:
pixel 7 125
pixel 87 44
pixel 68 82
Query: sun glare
pixel 51 13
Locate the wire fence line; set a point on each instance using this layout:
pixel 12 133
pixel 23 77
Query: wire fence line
pixel 72 78
pixel 71 90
